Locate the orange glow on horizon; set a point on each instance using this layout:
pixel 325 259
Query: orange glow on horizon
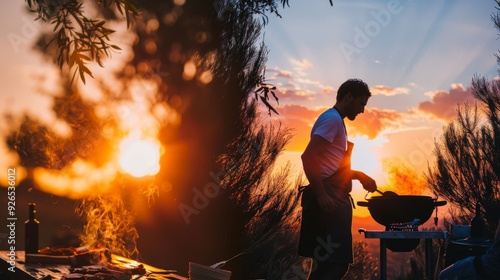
pixel 137 156
pixel 75 181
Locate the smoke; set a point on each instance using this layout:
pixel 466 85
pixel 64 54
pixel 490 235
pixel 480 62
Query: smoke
pixel 109 224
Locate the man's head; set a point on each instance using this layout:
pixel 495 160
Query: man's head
pixel 352 97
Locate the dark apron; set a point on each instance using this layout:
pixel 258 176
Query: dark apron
pixel 327 237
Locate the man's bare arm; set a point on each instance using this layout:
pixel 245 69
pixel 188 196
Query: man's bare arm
pixel 310 160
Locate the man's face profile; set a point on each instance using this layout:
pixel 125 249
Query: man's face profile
pixel 355 105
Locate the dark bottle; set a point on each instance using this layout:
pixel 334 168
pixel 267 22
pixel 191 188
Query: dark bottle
pixel 477 224
pixel 31 232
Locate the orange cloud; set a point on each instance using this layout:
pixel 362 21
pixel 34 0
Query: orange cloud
pixel 443 104
pixel 388 91
pixel 326 89
pixel 303 112
pixel 293 86
pixel 372 122
pixel 278 73
pixel 301 119
pixel 293 95
pixel 304 63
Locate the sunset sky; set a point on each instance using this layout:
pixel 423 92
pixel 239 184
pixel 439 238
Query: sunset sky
pixel 418 57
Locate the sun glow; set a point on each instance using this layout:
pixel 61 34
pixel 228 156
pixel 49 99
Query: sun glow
pixel 139 157
pixel 77 180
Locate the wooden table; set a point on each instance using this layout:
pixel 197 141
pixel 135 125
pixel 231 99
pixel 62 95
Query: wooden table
pixel 34 271
pixel 384 235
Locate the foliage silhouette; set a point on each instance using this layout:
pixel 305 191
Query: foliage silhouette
pixel 220 132
pixel 467 168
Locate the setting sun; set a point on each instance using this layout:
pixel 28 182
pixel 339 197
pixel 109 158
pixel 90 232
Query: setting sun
pixel 139 157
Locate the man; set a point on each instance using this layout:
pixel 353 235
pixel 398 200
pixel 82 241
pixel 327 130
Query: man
pixel 326 203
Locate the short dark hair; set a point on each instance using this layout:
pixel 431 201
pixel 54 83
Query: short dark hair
pixel 355 86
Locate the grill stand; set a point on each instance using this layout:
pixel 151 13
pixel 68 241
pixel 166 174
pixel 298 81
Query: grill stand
pixel 384 235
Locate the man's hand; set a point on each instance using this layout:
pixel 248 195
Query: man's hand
pixel 368 183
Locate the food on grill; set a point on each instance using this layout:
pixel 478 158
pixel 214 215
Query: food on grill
pixel 58 251
pixel 74 276
pixel 70 256
pixel 104 272
pixel 89 264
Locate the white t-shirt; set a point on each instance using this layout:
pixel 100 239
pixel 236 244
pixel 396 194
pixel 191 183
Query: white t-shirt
pixel 330 126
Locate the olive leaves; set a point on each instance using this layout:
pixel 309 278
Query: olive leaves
pixel 262 92
pixel 79 39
